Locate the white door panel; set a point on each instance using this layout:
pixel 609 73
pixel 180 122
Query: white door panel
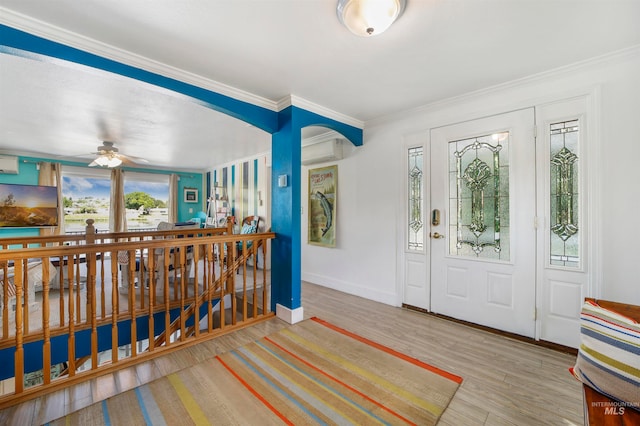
pixel 415 271
pixel 564 264
pixel 482 180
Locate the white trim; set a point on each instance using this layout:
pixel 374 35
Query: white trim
pixel 291 316
pixel 388 298
pixel 594 185
pixel 68 38
pixel 443 104
pixel 293 100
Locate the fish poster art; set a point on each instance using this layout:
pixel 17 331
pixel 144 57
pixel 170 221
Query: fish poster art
pixel 323 183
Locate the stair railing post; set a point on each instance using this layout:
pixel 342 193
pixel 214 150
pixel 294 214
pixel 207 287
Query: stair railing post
pixel 90 288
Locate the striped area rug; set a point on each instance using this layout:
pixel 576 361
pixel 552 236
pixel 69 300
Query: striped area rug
pixel 310 373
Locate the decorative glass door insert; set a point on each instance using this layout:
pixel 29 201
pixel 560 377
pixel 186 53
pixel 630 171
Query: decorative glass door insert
pixel 564 235
pixel 416 223
pixel 479 197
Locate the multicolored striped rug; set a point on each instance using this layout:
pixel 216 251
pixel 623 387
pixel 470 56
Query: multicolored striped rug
pixel 310 373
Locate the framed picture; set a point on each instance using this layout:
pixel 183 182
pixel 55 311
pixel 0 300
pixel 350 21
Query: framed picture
pixel 190 195
pixel 323 183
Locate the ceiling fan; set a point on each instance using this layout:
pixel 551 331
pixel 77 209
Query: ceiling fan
pixel 108 156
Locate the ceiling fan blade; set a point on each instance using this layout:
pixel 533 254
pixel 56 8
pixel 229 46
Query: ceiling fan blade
pixel 132 159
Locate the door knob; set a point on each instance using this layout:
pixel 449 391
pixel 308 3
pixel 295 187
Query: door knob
pixel 436 235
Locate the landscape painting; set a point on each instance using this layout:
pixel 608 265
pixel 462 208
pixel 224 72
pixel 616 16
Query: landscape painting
pixel 28 205
pixel 323 183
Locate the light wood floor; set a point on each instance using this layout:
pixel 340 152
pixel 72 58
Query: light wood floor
pixel 506 382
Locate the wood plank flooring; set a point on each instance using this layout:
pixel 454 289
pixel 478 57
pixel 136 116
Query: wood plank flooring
pixel 506 382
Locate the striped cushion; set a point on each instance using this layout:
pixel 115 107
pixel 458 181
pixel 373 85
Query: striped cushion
pixel 609 355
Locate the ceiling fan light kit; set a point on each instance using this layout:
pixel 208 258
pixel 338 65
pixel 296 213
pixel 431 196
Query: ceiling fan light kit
pixel 108 156
pixel 368 18
pixel 106 160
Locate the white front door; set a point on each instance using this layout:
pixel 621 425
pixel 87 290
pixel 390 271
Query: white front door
pixel 483 247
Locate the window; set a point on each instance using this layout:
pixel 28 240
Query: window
pixel 86 195
pixel 146 198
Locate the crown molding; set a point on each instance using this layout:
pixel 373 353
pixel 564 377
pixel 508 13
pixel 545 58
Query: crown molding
pixel 71 39
pixel 606 59
pixel 293 100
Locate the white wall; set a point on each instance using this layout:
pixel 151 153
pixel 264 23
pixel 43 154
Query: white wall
pixel 370 210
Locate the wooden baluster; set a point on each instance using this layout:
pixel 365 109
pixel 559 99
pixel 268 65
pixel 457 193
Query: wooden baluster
pixel 141 278
pixel 131 278
pixel 25 294
pixel 46 346
pixel 72 336
pixel 103 297
pixel 209 280
pixel 245 252
pixel 165 283
pixel 61 290
pixel 223 285
pixel 132 302
pixel 264 277
pixel 174 262
pixel 91 293
pixel 19 354
pixel 254 305
pixel 181 258
pixel 152 299
pixel 90 290
pixel 78 284
pixel 114 307
pixel 232 282
pixel 5 300
pixel 196 293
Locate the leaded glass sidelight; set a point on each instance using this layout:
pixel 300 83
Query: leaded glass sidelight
pixel 479 197
pixel 416 223
pixel 564 232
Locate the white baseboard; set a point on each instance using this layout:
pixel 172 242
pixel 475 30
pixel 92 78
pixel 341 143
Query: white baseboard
pixel 351 288
pixel 291 316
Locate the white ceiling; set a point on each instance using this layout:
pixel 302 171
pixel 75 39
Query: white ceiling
pixel 268 50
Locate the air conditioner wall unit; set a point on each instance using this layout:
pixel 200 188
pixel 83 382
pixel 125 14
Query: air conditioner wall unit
pixel 8 165
pixel 330 150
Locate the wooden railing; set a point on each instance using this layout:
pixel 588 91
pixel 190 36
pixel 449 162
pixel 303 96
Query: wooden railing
pixel 77 306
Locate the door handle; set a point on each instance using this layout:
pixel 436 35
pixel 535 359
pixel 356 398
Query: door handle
pixel 436 235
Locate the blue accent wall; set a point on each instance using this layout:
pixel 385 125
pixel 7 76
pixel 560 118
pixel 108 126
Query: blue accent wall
pixel 194 180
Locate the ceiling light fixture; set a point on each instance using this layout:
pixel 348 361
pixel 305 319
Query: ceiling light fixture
pixel 369 17
pixel 107 160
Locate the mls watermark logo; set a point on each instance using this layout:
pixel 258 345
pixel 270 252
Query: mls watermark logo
pixel 615 408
